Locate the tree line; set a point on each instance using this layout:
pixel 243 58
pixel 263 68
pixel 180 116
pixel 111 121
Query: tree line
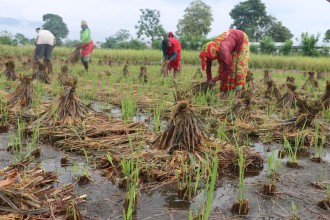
pixel 192 29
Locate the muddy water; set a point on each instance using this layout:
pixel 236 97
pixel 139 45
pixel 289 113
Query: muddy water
pixel 105 199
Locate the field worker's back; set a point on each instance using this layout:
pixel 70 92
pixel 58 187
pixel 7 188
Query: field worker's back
pixel 45 37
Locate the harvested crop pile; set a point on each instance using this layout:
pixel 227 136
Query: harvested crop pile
pixel 63 75
pixel 30 192
pixel 41 73
pixel 67 109
pixel 249 80
pixel 271 90
pixel 324 101
pixel 125 70
pixel 10 70
pixel 143 76
pixel 75 55
pixel 289 99
pixel 23 93
pixel 185 131
pixel 267 76
pixel 243 110
pixel 310 81
pixel 200 88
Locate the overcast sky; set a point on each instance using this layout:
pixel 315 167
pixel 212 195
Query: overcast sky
pixel 106 17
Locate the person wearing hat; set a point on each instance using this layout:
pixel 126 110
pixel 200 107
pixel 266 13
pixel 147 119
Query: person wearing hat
pixel 87 45
pixel 172 53
pixel 232 50
pixel 45 42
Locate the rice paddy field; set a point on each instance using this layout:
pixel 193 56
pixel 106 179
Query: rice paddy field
pixel 124 141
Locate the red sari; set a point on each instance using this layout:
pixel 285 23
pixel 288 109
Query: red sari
pixel 176 47
pixel 86 51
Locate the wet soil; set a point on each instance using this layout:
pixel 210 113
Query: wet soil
pixel 105 200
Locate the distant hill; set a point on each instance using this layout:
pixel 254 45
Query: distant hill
pixel 14 25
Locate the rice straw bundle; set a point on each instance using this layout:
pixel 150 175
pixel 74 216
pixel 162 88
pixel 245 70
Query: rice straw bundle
pixel 75 54
pixel 324 101
pixel 67 109
pixel 310 81
pixel 184 132
pixel 10 70
pixel 41 74
pixel 23 93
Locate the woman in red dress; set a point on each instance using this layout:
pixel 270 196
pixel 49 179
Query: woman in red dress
pixel 232 51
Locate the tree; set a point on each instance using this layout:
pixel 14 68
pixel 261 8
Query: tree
pixel 55 24
pixel 250 16
pixel 277 31
pixel 149 24
pixel 122 35
pixel 196 21
pixel 308 44
pixel 21 39
pixel 6 38
pixel 327 36
pixel 110 42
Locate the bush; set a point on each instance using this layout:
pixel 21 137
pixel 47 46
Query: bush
pixel 267 45
pixel 308 44
pixel 287 47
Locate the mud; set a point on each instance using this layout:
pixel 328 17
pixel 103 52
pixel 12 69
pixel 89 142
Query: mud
pixel 105 200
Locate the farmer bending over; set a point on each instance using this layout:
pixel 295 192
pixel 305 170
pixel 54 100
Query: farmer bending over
pixel 172 54
pixel 232 51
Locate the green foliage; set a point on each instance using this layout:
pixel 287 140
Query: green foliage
pixel 327 36
pixel 267 45
pixel 308 44
pixel 254 48
pixel 21 39
pixel 123 35
pixel 6 38
pixel 287 47
pixel 149 24
pixel 189 42
pixel 277 31
pixel 250 16
pixel 54 23
pixel 196 21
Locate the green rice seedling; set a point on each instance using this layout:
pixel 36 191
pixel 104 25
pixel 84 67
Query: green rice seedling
pixel 241 206
pixel 72 212
pixel 86 156
pixel 157 116
pixel 294 211
pixel 211 187
pixel 16 141
pixel 3 117
pixel 130 203
pixel 128 106
pixel 241 184
pixel 318 148
pixel 221 132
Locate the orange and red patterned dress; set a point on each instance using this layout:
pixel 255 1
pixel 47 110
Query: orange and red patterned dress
pixel 232 51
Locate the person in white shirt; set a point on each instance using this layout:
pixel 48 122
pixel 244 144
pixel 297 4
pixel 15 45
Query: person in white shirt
pixel 45 42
